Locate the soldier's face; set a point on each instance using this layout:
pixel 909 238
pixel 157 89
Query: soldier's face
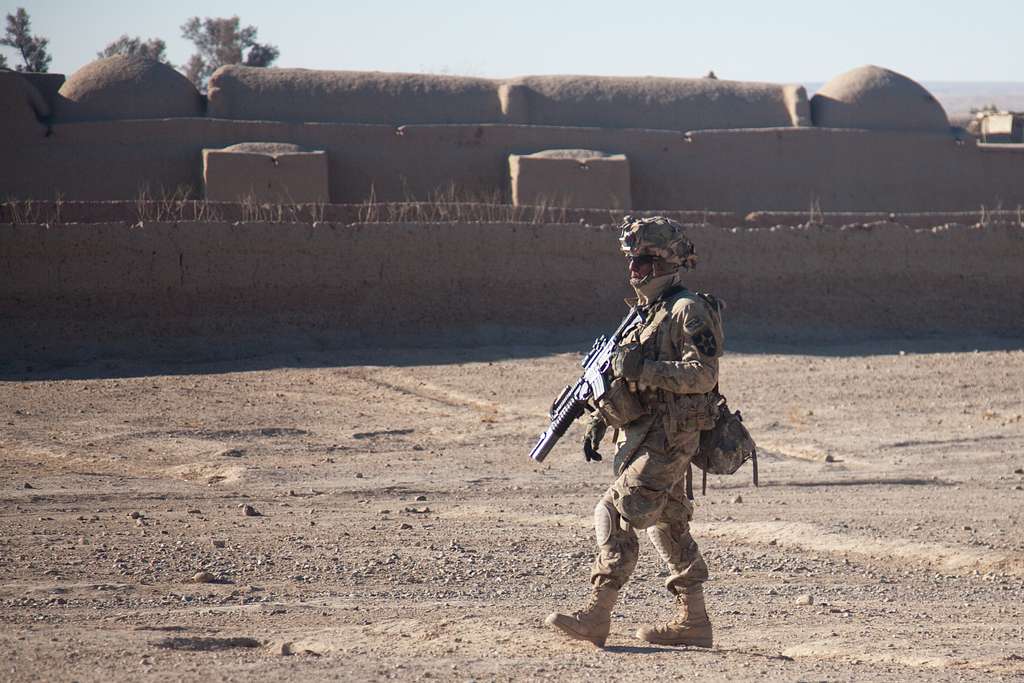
pixel 640 267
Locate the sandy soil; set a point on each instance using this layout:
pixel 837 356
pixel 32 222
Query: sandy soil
pixel 404 534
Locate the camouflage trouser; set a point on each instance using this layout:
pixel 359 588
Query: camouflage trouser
pixel 650 494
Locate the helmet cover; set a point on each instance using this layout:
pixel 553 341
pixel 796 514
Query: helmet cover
pixel 659 237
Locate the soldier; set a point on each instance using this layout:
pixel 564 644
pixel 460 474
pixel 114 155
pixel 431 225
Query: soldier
pixel 664 394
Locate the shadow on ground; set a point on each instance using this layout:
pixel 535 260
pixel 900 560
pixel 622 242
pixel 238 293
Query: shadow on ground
pixel 198 356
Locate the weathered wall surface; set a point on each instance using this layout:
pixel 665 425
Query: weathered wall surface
pixel 658 103
pixel 883 143
pixel 286 176
pixel 304 95
pixel 22 106
pixel 577 177
pixel 70 286
pixel 782 169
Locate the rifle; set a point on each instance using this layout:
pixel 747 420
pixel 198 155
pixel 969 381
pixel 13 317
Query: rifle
pixel 591 386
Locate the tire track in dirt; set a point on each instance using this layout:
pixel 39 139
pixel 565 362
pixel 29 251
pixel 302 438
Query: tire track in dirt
pixel 809 452
pixel 906 655
pixel 802 536
pixel 809 537
pixel 425 390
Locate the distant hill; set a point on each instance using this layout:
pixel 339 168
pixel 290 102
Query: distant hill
pixel 959 97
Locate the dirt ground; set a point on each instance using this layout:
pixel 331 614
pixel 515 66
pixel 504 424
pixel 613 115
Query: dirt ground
pixel 402 532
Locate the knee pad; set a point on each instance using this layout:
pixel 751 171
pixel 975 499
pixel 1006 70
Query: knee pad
pixel 606 521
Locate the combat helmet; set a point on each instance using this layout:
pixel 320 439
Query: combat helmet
pixel 659 237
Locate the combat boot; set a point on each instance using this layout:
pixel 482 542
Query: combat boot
pixel 690 627
pixel 591 623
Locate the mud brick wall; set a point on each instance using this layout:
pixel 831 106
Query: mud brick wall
pixel 870 140
pixel 69 289
pixel 782 169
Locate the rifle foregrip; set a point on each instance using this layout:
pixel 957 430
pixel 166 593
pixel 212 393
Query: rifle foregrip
pixel 559 425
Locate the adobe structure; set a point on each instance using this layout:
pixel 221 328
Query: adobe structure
pixel 869 140
pixel 874 216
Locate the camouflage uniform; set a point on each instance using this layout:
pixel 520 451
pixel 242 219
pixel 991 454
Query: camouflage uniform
pixel 672 388
pixel 681 348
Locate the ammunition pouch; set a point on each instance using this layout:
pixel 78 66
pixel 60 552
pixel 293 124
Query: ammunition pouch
pixel 620 406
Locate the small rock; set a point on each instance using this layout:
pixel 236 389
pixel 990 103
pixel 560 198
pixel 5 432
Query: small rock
pixel 1019 470
pixel 359 475
pixel 218 543
pixel 420 498
pixel 135 514
pixel 830 458
pixel 282 649
pixel 232 453
pixel 203 577
pixel 966 528
pixel 405 525
pixel 738 499
pixel 250 511
pixel 28 485
pixel 805 599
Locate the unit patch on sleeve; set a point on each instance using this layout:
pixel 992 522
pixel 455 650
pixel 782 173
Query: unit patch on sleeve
pixel 705 342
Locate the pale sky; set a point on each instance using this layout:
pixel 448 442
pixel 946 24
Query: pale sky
pixel 785 41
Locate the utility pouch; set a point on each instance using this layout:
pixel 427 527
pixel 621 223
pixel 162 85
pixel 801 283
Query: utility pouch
pixel 724 448
pixel 690 412
pixel 620 406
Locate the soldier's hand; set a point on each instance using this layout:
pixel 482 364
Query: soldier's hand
pixel 628 362
pixel 592 439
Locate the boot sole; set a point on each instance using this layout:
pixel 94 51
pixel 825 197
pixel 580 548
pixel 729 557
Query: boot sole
pixel 599 642
pixel 702 642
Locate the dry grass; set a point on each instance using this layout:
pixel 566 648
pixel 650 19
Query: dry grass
pixel 173 206
pixel 33 211
pixel 447 204
pixel 450 204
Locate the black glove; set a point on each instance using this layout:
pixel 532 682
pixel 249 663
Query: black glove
pixel 628 362
pixel 592 439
